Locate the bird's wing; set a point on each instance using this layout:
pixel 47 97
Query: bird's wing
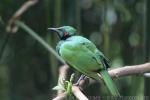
pixel 99 56
pixel 88 45
pixel 105 61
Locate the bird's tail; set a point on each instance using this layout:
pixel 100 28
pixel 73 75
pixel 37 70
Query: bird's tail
pixel 109 83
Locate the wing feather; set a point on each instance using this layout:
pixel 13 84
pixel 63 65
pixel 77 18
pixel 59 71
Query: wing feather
pixel 99 56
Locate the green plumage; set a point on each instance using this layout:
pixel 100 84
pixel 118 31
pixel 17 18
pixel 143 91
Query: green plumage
pixel 83 55
pixel 109 83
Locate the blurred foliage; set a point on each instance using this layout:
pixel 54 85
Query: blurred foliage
pixel 118 27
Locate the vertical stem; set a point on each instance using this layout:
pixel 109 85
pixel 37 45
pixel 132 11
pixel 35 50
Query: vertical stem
pixel 146 43
pixel 78 16
pixel 146 33
pixel 106 30
pixel 106 39
pixel 47 8
pixel 57 13
pixel 4 45
pixel 52 39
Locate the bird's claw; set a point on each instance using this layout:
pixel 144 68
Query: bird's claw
pixel 82 77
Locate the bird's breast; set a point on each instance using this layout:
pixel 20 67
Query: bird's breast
pixel 68 50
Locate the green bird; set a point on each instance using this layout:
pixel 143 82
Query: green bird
pixel 83 55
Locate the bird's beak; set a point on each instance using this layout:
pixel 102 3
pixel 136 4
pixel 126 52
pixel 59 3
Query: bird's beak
pixel 54 29
pixel 57 30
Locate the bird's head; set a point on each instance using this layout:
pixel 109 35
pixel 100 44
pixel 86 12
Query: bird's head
pixel 64 32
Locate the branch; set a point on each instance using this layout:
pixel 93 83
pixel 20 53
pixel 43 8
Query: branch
pixel 76 91
pixel 14 23
pixel 61 95
pixel 12 27
pixel 130 70
pixel 63 70
pixel 78 94
pixel 39 39
pixel 114 73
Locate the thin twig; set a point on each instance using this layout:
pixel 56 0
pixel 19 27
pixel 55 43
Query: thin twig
pixel 39 39
pixel 14 23
pixel 2 49
pixel 114 73
pixel 12 27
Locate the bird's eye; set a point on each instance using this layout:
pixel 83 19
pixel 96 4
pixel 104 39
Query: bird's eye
pixel 65 33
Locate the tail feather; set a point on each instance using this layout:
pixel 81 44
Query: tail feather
pixel 109 83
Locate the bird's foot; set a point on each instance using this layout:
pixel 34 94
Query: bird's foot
pixel 82 77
